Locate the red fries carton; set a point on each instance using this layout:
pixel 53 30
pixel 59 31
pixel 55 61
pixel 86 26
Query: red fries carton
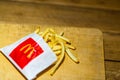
pixel 31 55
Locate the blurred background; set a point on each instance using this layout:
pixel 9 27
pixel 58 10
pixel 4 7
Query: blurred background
pixel 100 14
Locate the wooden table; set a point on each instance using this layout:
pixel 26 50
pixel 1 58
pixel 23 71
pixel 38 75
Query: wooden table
pixel 89 44
pixel 103 15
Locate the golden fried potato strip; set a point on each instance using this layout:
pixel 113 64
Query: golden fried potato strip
pixel 59 45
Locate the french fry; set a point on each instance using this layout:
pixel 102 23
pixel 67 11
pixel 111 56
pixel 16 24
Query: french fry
pixel 59 45
pixel 50 45
pixel 45 32
pixel 40 33
pixel 62 33
pixel 47 36
pixel 61 58
pixel 56 47
pixel 57 52
pixel 37 31
pixel 52 31
pixel 71 55
pixel 52 38
pixel 70 46
pixel 63 38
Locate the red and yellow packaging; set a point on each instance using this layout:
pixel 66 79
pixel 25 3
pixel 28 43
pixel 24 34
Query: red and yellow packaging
pixel 30 55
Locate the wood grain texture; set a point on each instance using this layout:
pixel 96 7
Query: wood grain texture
pixel 48 14
pixel 112 70
pixel 102 4
pixel 111 40
pixel 105 19
pixel 89 51
pixel 45 14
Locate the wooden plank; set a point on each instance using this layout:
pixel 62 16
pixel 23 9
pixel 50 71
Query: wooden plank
pixel 104 4
pixel 48 14
pixel 112 70
pixel 59 15
pixel 89 44
pixel 112 45
pixel 106 20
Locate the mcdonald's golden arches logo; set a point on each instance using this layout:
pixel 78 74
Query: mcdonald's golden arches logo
pixel 28 48
pixel 25 52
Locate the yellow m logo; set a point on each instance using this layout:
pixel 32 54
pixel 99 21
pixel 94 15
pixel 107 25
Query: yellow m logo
pixel 28 48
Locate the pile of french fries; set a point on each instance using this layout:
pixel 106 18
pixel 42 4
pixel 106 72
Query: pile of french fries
pixel 59 44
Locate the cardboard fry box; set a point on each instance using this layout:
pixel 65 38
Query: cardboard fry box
pixel 31 55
